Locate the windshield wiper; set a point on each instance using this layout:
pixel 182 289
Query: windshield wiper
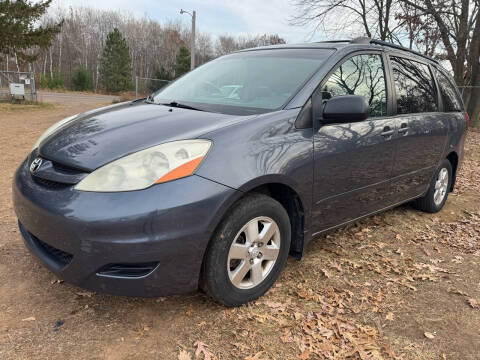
pixel 180 105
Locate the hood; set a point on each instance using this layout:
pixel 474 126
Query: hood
pixel 98 137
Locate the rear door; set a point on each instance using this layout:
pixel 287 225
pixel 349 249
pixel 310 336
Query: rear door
pixel 353 161
pixel 423 129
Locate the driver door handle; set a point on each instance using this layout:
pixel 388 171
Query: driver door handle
pixel 387 131
pixel 403 129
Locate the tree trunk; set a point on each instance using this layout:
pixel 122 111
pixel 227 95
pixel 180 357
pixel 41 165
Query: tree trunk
pixel 16 62
pixel 473 106
pixel 51 63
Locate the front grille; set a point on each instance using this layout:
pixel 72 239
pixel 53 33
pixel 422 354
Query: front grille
pixel 49 183
pixel 66 169
pixel 60 256
pixel 53 175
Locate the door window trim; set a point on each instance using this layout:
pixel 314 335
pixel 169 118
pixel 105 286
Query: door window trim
pixel 385 73
pixel 391 54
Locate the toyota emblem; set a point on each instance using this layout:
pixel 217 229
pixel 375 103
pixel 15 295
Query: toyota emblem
pixel 35 165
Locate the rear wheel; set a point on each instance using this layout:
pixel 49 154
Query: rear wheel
pixel 437 193
pixel 248 251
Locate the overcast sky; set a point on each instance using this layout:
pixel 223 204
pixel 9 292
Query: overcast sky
pixel 217 17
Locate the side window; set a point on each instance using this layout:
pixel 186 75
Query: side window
pixel 360 75
pixel 451 102
pixel 414 86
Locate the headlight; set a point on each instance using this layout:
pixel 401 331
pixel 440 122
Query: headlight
pixel 52 129
pixel 144 168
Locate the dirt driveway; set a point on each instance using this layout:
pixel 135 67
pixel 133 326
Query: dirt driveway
pixel 402 284
pixel 68 98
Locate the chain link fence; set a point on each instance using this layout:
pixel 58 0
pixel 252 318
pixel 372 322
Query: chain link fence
pixel 146 86
pixel 17 85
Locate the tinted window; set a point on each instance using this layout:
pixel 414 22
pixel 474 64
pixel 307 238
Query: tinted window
pixel 246 82
pixel 360 75
pixel 451 102
pixel 414 86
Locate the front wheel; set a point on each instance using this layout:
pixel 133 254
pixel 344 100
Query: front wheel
pixel 437 193
pixel 248 251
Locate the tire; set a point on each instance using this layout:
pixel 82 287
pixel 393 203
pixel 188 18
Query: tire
pixel 238 266
pixel 430 203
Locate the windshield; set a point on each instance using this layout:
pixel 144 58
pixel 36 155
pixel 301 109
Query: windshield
pixel 244 83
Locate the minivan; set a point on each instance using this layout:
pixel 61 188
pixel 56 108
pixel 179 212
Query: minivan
pixel 214 180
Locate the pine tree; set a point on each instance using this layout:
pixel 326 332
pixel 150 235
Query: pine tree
pixel 116 70
pixel 82 79
pixel 18 32
pixel 182 63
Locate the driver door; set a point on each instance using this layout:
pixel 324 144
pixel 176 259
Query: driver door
pixel 353 160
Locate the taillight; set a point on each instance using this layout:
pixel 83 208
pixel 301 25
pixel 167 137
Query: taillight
pixel 467 118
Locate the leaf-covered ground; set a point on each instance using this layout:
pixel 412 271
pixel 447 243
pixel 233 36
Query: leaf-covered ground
pixel 399 285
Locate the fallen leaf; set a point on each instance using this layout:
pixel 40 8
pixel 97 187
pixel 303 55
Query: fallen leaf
pixel 429 335
pixel 202 349
pixel 257 356
pixel 389 351
pixel 426 251
pixel 325 272
pixel 458 292
pixel 473 303
pixel 241 346
pixel 272 304
pixel 305 355
pixel 31 318
pixel 183 355
pixel 389 316
pixel 298 315
pixel 189 311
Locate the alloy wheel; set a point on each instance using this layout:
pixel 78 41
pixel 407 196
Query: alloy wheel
pixel 441 186
pixel 253 252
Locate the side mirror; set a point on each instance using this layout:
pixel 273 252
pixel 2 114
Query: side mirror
pixel 345 109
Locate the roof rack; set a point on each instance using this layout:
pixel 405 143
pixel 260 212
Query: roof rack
pixel 367 40
pixel 334 41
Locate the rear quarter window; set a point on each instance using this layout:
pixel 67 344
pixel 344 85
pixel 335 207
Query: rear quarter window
pixel 451 101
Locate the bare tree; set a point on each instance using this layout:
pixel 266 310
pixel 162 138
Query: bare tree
pixel 459 29
pixel 445 29
pixel 372 17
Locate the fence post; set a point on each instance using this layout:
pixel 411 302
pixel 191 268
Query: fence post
pixel 136 87
pixel 33 90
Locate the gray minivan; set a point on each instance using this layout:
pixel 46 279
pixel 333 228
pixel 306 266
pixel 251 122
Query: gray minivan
pixel 215 179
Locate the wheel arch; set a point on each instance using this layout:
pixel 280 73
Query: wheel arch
pixel 285 192
pixel 293 205
pixel 453 158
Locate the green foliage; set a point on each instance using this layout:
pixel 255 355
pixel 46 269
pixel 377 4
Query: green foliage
pixel 162 74
pixel 18 32
pixel 51 82
pixel 82 79
pixel 116 70
pixel 182 64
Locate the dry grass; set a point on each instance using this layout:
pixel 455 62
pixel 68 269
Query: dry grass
pixel 25 106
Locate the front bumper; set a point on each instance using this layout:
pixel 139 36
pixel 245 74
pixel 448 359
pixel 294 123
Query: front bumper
pixel 79 234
